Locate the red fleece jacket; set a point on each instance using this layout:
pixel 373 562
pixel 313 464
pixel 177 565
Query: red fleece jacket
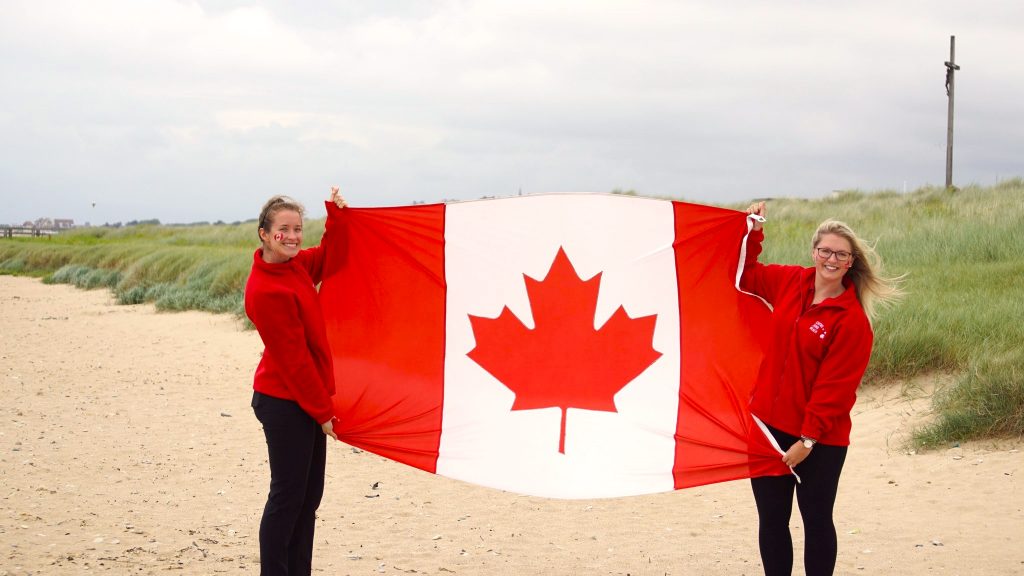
pixel 282 301
pixel 808 380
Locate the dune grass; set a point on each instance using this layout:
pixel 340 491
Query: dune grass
pixel 961 251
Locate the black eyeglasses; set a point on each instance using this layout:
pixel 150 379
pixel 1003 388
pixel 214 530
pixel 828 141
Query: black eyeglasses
pixel 826 253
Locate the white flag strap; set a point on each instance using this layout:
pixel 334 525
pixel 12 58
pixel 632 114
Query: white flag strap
pixel 743 257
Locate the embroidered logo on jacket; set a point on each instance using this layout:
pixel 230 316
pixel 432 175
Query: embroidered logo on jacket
pixel 819 329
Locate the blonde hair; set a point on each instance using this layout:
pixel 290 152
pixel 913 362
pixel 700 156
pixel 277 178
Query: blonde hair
pixel 273 206
pixel 874 288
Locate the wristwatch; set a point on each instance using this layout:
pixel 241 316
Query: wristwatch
pixel 808 442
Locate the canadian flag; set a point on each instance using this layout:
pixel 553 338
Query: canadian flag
pixel 564 345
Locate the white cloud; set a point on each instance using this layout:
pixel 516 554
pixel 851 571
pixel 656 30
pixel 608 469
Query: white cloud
pixel 213 105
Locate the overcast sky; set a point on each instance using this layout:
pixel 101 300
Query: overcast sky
pixel 199 110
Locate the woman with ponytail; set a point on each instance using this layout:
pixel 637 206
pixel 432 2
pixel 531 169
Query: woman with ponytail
pixel 294 381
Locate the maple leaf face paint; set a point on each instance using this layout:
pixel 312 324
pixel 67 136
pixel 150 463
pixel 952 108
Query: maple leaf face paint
pixel 285 238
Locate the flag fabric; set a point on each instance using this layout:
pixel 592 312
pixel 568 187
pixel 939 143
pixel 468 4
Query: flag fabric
pixel 564 345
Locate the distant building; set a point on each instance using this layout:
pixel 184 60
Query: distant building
pixel 48 224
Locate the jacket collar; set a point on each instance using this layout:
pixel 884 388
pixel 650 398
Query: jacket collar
pixel 260 264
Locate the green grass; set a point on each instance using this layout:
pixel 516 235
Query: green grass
pixel 985 402
pixel 962 253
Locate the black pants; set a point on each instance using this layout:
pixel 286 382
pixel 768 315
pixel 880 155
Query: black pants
pixel 816 496
pixel 298 455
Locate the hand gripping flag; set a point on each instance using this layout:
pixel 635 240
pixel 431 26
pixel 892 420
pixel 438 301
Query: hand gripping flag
pixel 567 345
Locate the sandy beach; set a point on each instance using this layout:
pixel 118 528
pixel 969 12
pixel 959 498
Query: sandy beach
pixel 127 446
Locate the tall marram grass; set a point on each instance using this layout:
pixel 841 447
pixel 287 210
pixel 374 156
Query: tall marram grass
pixel 961 251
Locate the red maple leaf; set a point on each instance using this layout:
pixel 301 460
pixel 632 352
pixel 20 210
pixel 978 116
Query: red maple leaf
pixel 563 361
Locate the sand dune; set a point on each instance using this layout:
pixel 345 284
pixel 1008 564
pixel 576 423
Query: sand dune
pixel 127 446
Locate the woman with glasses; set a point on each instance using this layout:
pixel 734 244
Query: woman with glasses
pixel 820 346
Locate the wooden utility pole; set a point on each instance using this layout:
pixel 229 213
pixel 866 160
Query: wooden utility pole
pixel 951 69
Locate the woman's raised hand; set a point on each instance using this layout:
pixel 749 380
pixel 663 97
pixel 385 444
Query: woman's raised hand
pixel 337 198
pixel 758 209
